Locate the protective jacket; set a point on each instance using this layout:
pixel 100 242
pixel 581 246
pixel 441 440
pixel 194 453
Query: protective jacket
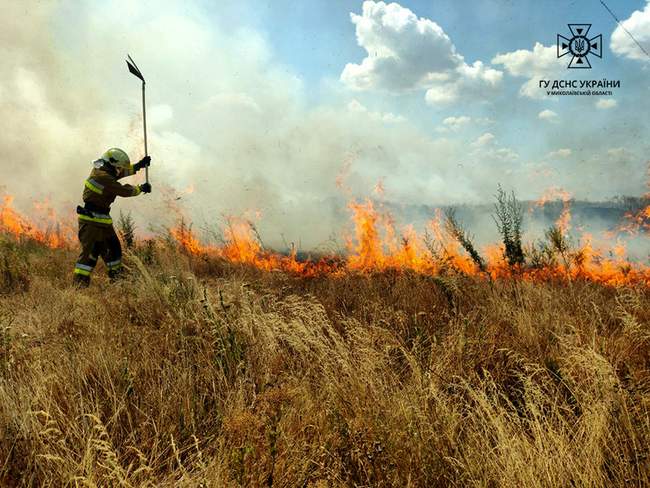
pixel 100 190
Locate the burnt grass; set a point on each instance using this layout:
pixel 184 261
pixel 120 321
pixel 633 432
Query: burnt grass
pixel 194 371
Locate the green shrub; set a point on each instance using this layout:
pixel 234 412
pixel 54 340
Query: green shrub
pixel 509 216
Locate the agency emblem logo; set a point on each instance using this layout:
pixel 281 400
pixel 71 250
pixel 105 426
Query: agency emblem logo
pixel 580 46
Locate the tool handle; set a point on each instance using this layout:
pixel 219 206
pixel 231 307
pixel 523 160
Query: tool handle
pixel 144 121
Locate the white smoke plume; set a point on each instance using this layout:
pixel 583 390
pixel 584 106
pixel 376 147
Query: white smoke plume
pixel 226 120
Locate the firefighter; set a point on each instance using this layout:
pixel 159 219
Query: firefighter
pixel 96 232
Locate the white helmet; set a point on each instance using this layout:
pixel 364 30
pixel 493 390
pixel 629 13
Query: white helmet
pixel 117 158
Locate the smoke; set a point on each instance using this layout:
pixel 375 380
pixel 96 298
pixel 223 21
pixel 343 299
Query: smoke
pixel 226 120
pixel 41 121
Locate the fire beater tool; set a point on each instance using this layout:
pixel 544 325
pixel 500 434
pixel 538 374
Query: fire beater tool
pixel 133 68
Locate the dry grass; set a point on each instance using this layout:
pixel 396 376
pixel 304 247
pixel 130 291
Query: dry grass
pixel 199 373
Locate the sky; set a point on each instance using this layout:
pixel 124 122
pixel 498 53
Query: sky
pixel 261 107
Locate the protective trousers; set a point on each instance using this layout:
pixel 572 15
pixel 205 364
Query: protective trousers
pixel 97 241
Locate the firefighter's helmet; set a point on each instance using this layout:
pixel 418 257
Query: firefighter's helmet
pixel 117 158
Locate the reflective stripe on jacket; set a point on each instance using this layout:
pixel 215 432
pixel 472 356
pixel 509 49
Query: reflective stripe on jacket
pixel 100 190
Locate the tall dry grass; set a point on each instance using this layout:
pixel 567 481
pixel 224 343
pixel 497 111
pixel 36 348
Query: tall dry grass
pixel 194 372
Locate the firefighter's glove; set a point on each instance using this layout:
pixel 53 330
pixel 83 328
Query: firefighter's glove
pixel 143 163
pixel 145 188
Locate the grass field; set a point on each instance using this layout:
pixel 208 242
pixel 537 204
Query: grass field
pixel 194 371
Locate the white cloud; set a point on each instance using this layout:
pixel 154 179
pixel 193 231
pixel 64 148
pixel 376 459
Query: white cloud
pixel 441 94
pixel 506 154
pixel 540 63
pixel 475 81
pixel 484 140
pixel 638 24
pixel 388 117
pixel 493 157
pixel 478 72
pixel 455 123
pixel 559 154
pixel 605 103
pixel 548 115
pixel 405 52
pixel 402 49
pixel 619 153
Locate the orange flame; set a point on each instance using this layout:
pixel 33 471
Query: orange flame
pixel 186 238
pixel 48 228
pixel 375 245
